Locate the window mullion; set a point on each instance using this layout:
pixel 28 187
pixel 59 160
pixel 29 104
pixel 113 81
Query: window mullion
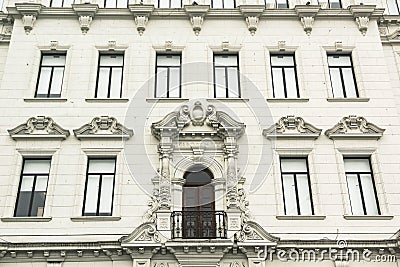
pixel 32 195
pixel 99 195
pixel 109 81
pixel 50 81
pixel 168 79
pixel 284 81
pixel 297 194
pixel 361 193
pixel 226 82
pixel 342 82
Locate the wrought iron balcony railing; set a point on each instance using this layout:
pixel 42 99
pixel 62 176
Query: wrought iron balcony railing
pixel 199 224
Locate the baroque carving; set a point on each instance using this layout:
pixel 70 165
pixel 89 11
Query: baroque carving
pixel 141 14
pixel 362 23
pixel 141 23
pixel 252 15
pixel 307 24
pixel 252 231
pixel 196 15
pixel 292 126
pixel 307 15
pixel 361 14
pixel 39 126
pixel 29 12
pixel 146 232
pixel 85 13
pixel 252 24
pixel 28 21
pixel 103 126
pixel 354 126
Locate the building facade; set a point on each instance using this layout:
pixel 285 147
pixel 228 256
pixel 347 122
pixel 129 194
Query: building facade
pixel 232 133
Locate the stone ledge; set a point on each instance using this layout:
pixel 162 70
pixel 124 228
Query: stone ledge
pixel 368 217
pixel 95 218
pixel 237 99
pixel 26 219
pixel 166 99
pixel 358 99
pixel 288 99
pixel 301 217
pixel 42 99
pixel 107 100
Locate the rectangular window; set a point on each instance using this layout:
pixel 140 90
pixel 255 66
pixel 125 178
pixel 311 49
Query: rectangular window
pixel 226 76
pixel 361 186
pixel 334 3
pixel 223 3
pixel 109 76
pixel 61 3
pixel 51 74
pixel 278 3
pixel 168 3
pixel 284 77
pixel 168 76
pixel 342 76
pixel 393 7
pixel 32 188
pixel 112 3
pixel 99 189
pixel 296 186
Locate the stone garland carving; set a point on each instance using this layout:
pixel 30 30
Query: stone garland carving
pixel 39 126
pixel 291 126
pixel 103 126
pixel 353 125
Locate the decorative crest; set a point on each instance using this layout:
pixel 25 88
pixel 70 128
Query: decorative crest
pixel 292 127
pixel 103 126
pixel 39 126
pixel 354 126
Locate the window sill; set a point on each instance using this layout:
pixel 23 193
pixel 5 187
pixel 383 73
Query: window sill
pixel 359 99
pixel 288 99
pixel 166 99
pixel 367 217
pixel 301 217
pixel 237 99
pixel 26 219
pixel 41 99
pixel 107 100
pixel 95 219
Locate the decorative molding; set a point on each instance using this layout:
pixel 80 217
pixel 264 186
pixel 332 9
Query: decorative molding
pixel 145 233
pixel 252 14
pixel 103 127
pixel 307 15
pixel 196 15
pixel 168 46
pixel 301 217
pixel 85 13
pixel 252 231
pixel 225 46
pixel 368 217
pixel 292 127
pixel 29 12
pixel 341 263
pixel 26 219
pixel 39 127
pixel 141 14
pixel 361 14
pixel 6 28
pixel 354 126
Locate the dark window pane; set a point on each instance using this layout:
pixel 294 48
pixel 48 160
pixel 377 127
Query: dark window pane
pixel 22 208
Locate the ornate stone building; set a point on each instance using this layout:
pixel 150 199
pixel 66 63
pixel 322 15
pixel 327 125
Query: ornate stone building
pixel 232 133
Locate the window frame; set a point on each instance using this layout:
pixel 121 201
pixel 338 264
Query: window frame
pixel 396 3
pixel 42 55
pixel 24 159
pixel 223 4
pixel 168 75
pixel 99 187
pixel 350 56
pixel 276 4
pixel 105 3
pixel 239 93
pixel 62 4
pixel 293 55
pixel 169 6
pixel 360 185
pixel 296 187
pixel 102 53
pixel 340 4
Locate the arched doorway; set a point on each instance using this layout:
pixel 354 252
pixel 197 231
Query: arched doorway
pixel 198 220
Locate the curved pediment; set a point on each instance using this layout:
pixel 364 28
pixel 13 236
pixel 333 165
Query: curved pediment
pixel 292 127
pixel 354 127
pixel 220 122
pixel 103 127
pixel 39 127
pixel 253 232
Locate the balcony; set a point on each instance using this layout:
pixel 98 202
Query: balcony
pixel 199 224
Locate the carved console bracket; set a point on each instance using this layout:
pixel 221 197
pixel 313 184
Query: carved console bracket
pixel 252 15
pixel 292 127
pixel 141 14
pixel 103 127
pixel 39 127
pixel 307 15
pixel 354 127
pixel 29 12
pixel 361 14
pixel 85 13
pixel 196 15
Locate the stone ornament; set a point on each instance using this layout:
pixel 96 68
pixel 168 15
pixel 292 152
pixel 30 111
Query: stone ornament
pixel 29 12
pixel 361 14
pixel 85 13
pixel 39 126
pixel 146 233
pixel 141 14
pixel 307 15
pixel 252 14
pixel 354 126
pixel 196 15
pixel 252 231
pixel 103 127
pixel 292 127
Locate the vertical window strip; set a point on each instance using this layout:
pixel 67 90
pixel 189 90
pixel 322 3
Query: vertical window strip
pixel 282 78
pixel 106 73
pixel 348 89
pixel 170 70
pixel 51 75
pixel 227 77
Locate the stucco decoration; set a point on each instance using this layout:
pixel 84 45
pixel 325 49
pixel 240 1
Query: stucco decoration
pixel 196 15
pixel 354 126
pixel 252 14
pixel 85 13
pixel 29 12
pixel 292 127
pixel 307 15
pixel 103 127
pixel 141 14
pixel 252 231
pixel 145 233
pixel 362 14
pixel 39 126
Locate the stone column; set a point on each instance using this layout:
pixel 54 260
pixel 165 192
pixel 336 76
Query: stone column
pixel 231 151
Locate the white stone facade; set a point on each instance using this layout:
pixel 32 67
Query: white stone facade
pixel 138 234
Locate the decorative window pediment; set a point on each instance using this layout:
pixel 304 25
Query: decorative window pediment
pixel 221 123
pixel 39 127
pixel 103 127
pixel 253 232
pixel 145 233
pixel 292 127
pixel 354 126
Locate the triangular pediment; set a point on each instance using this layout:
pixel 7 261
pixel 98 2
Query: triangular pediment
pixel 103 127
pixel 187 120
pixel 292 127
pixel 354 127
pixel 39 127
